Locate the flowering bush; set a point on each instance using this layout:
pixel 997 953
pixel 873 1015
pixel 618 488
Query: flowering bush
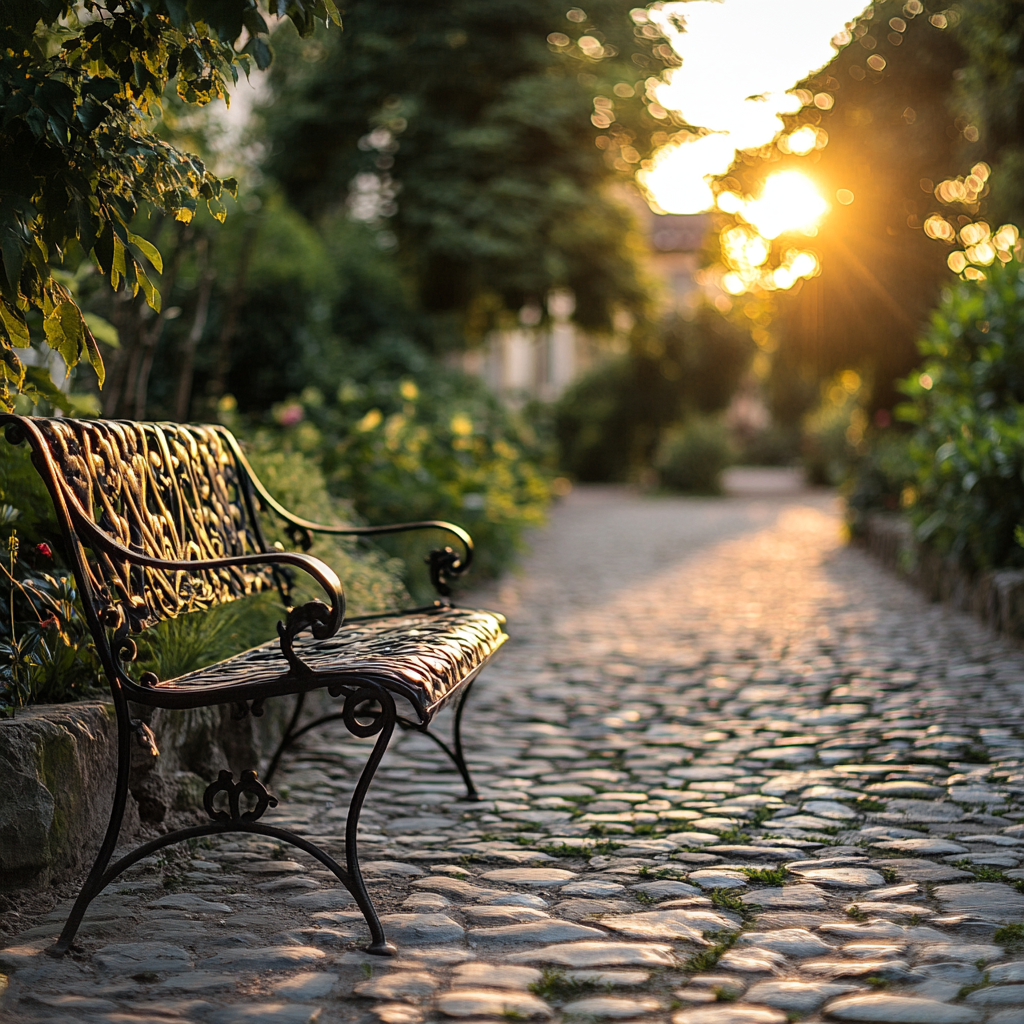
pixel 442 448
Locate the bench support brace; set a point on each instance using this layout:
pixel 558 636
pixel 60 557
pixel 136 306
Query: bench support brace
pixel 361 717
pixel 454 752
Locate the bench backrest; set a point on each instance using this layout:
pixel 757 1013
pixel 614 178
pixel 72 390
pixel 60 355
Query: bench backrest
pixel 167 490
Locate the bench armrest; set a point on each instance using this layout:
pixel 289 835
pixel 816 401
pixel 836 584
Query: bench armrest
pixel 445 563
pixel 323 620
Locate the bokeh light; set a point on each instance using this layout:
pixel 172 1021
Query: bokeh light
pixel 740 62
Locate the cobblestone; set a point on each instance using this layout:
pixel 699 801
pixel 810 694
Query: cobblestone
pixel 732 773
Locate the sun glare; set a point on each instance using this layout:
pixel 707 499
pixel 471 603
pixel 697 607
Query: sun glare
pixel 788 202
pixel 741 59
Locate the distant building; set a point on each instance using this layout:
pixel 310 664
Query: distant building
pixel 535 362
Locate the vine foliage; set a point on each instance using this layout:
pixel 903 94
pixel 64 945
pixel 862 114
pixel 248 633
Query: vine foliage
pixel 80 98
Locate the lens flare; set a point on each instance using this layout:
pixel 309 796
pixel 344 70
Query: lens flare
pixel 788 202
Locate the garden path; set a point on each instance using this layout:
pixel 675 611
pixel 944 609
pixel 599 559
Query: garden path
pixel 733 774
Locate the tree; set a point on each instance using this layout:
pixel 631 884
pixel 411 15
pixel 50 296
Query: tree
pixel 991 93
pixel 483 139
pixel 884 136
pixel 80 86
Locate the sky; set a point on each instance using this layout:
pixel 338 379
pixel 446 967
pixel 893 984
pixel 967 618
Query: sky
pixel 732 52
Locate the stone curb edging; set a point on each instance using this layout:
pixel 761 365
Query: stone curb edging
pixel 996 597
pixel 58 768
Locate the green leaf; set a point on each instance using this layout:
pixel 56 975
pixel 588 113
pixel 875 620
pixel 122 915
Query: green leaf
pixel 152 295
pixel 17 329
pixel 13 250
pixel 39 384
pixel 149 250
pixel 103 330
pixel 65 332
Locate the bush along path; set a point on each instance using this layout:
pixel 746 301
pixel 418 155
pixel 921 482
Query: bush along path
pixel 733 774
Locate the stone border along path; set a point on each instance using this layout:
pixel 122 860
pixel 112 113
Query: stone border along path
pixel 734 774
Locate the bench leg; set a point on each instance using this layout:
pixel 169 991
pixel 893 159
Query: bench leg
pixel 289 737
pixel 361 719
pixel 96 882
pixel 381 723
pixel 454 752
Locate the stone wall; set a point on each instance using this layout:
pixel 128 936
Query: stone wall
pixel 58 765
pixel 997 597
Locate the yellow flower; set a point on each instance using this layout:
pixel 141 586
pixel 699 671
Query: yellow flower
pixel 461 425
pixel 371 420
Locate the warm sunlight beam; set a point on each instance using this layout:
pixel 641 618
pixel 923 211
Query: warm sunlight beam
pixel 740 58
pixel 788 202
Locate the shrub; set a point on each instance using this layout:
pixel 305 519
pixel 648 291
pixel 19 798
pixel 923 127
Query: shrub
pixel 610 422
pixel 440 447
pixel 882 480
pixel 834 431
pixel 693 456
pixel 967 404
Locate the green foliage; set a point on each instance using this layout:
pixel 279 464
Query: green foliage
pixel 481 139
pixel 727 900
pixel 555 986
pixel 708 957
pixel 80 85
pixel 610 422
pixel 441 449
pixel 766 876
pixel 1010 936
pixel 692 456
pixel 882 481
pixel 834 431
pixel 989 93
pixel 890 140
pixel 967 405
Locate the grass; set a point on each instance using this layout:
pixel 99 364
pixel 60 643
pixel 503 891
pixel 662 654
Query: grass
pixel 966 990
pixel 708 957
pixel 766 876
pixel 725 995
pixel 1010 936
pixel 555 987
pixel 734 835
pixel 891 875
pixel 644 897
pixel 726 900
pixel 866 805
pixel 762 814
pixel 879 983
pixel 853 911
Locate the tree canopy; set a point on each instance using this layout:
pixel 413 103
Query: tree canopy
pixel 885 135
pixel 485 140
pixel 81 86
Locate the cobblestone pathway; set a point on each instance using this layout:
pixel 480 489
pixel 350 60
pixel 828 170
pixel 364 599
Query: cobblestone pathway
pixel 733 773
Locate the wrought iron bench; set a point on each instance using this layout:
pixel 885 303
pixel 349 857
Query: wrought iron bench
pixel 162 518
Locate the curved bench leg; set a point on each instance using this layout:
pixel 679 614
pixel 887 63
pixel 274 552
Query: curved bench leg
pixel 289 737
pixel 454 752
pixel 459 759
pixel 383 725
pixel 96 882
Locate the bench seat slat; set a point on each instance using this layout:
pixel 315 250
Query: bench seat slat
pixel 421 656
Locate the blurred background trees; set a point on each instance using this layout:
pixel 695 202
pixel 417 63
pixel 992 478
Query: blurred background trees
pixel 431 176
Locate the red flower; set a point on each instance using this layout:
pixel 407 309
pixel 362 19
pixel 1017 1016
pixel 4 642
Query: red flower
pixel 44 550
pixel 51 620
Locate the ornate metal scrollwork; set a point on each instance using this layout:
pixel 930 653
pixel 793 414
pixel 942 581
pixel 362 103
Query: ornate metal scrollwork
pixel 247 784
pixel 242 709
pixel 445 565
pixel 364 703
pixel 315 616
